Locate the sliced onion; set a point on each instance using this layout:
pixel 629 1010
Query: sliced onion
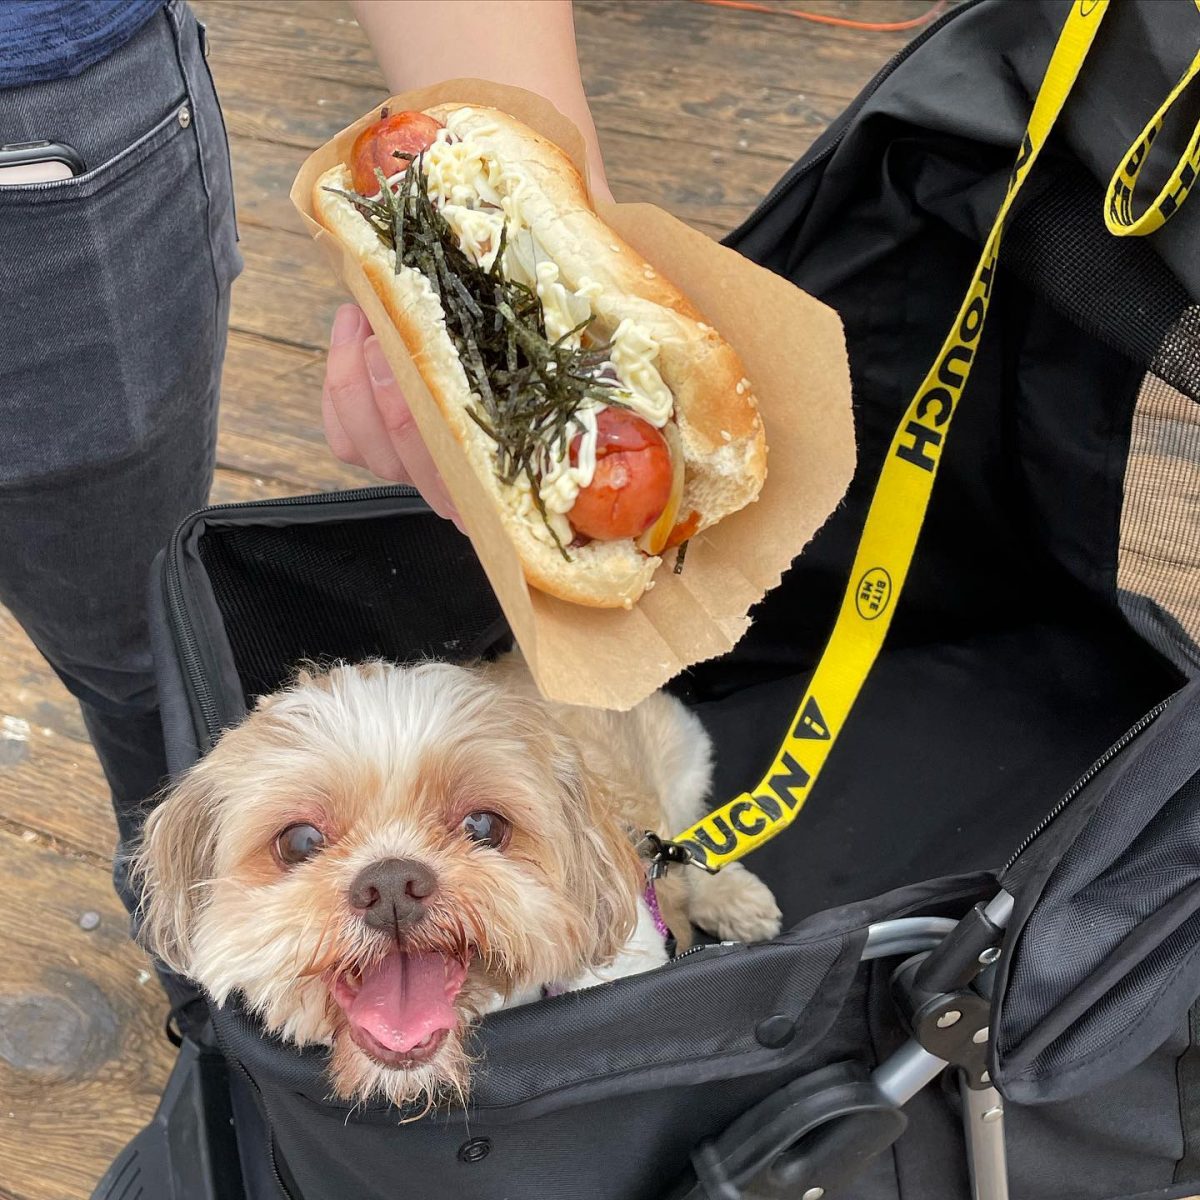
pixel 576 307
pixel 522 253
pixel 655 538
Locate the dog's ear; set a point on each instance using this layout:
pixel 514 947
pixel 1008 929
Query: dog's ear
pixel 172 863
pixel 606 872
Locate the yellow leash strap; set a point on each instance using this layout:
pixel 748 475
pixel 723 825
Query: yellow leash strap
pixel 1118 201
pixel 893 523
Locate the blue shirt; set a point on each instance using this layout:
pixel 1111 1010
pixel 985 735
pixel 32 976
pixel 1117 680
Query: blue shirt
pixel 50 39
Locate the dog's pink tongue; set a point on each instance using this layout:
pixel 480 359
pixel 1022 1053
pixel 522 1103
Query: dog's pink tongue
pixel 406 998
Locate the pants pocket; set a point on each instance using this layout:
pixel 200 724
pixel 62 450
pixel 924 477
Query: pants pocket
pixel 109 306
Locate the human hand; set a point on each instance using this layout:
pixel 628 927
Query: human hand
pixel 367 420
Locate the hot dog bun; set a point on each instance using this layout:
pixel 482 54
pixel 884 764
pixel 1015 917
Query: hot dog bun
pixel 715 412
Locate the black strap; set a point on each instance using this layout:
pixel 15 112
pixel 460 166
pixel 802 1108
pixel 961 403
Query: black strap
pixel 1187 1076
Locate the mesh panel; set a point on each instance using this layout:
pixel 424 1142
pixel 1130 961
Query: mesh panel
pixel 1159 565
pixel 1116 289
pixel 403 587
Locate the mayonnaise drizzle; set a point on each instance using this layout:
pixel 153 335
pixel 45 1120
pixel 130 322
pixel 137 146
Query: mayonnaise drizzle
pixel 563 309
pixel 634 353
pixel 560 485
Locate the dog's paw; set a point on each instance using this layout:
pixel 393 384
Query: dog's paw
pixel 734 905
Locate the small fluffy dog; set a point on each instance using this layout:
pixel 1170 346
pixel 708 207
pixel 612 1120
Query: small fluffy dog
pixel 379 855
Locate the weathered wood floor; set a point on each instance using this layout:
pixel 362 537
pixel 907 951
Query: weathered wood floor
pixel 699 109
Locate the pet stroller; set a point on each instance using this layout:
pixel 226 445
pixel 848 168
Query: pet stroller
pixel 1000 867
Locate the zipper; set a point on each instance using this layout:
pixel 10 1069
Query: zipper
pixel 262 1100
pixel 811 161
pixel 183 630
pixel 1085 779
pixel 385 492
pixel 705 946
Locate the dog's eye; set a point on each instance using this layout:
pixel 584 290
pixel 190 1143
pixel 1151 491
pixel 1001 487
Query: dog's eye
pixel 486 827
pixel 297 843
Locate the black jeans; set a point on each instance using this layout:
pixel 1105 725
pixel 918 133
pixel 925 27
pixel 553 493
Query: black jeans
pixel 114 301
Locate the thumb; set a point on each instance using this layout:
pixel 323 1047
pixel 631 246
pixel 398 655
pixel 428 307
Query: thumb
pixel 402 432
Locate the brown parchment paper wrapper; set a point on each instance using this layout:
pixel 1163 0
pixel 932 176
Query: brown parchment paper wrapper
pixel 795 357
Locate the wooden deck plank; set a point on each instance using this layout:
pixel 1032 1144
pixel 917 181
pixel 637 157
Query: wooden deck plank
pixel 336 16
pixel 233 486
pixel 270 421
pixel 262 176
pixel 287 293
pixel 699 42
pixel 82 1055
pixel 1160 521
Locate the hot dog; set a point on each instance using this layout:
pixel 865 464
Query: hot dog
pixel 605 418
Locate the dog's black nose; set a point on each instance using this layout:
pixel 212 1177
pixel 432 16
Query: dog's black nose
pixel 391 893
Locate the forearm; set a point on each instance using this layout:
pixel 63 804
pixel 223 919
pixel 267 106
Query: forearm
pixel 527 43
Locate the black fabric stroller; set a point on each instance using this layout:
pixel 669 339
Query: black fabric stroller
pixel 1000 868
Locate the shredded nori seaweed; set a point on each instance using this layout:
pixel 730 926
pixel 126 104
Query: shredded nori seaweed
pixel 529 387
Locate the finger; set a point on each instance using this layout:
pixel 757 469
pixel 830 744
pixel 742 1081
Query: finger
pixel 350 396
pixel 598 182
pixel 404 435
pixel 335 436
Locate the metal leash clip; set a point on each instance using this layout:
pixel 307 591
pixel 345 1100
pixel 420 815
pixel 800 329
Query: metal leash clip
pixel 661 853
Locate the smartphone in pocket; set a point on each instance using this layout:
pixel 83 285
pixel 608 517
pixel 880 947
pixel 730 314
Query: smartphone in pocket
pixel 38 162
